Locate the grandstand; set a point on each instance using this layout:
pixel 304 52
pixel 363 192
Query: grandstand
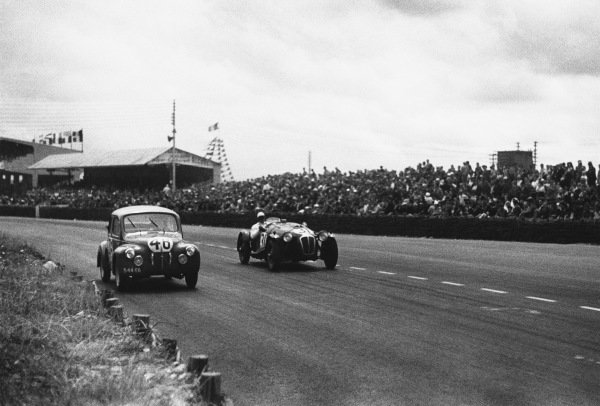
pixel 16 156
pixel 138 168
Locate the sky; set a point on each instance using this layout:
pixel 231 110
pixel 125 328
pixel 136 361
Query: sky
pixel 336 83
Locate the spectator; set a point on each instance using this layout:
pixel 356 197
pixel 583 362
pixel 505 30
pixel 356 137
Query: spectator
pixel 553 192
pixel 591 175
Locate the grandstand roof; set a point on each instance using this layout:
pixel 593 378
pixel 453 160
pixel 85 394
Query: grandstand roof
pixel 135 157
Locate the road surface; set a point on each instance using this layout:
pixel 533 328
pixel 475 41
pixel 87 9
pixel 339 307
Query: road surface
pixel 401 321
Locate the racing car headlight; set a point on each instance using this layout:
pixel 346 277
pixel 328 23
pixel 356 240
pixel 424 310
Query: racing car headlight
pixel 190 250
pixel 287 237
pixel 138 260
pixel 129 253
pixel 323 235
pixel 182 258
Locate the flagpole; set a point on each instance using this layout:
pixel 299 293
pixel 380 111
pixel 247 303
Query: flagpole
pixel 173 149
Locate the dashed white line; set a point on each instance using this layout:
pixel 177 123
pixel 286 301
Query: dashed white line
pixel 357 268
pixel 502 292
pixel 590 308
pixel 452 283
pixel 541 299
pixel 420 278
pixel 386 273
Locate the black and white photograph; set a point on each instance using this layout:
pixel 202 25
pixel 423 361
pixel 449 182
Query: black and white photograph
pixel 298 203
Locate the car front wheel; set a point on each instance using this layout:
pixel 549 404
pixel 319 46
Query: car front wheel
pixel 104 268
pixel 121 281
pixel 330 253
pixel 191 278
pixel 243 248
pixel 272 256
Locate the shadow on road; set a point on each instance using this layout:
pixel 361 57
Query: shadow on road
pixel 150 285
pixel 287 267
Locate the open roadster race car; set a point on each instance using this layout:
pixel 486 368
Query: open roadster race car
pixel 144 241
pixel 281 241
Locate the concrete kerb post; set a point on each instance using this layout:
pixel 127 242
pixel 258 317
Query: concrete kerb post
pixel 111 301
pixel 141 326
pixel 105 294
pixel 197 364
pixel 116 313
pixel 140 323
pixel 210 387
pixel 170 350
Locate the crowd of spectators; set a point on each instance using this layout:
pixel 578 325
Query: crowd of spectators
pixel 563 191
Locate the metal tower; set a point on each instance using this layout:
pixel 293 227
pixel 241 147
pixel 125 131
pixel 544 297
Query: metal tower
pixel 215 151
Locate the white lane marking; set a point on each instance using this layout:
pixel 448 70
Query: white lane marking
pixel 494 309
pixel 357 268
pixel 452 283
pixel 386 273
pixel 590 308
pixel 541 299
pixel 494 291
pixel 420 278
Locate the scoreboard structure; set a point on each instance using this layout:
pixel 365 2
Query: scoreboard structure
pixel 512 159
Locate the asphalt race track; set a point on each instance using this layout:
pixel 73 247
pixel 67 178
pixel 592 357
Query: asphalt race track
pixel 401 321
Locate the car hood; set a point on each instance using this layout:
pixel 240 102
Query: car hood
pixel 294 228
pixel 144 239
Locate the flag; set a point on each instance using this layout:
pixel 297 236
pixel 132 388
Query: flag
pixel 214 127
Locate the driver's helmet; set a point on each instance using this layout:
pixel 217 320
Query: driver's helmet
pixel 260 216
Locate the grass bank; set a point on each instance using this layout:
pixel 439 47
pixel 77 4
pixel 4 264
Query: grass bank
pixel 58 346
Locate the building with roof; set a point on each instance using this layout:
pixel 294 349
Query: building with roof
pixel 16 156
pixel 138 168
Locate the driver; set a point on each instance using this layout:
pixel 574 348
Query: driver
pixel 256 229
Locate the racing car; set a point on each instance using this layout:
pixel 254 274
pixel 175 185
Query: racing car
pixel 145 241
pixel 282 241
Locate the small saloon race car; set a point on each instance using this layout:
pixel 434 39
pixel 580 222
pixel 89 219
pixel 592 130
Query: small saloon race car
pixel 144 241
pixel 281 241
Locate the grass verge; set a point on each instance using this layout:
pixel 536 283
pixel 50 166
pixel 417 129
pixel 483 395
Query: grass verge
pixel 58 346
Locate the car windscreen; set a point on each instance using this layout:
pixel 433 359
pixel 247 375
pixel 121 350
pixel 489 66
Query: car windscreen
pixel 150 222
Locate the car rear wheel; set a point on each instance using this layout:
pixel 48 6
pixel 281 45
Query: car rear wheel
pixel 330 253
pixel 272 256
pixel 191 279
pixel 243 248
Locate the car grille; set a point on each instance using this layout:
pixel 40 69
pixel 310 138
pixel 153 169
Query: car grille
pixel 308 245
pixel 161 260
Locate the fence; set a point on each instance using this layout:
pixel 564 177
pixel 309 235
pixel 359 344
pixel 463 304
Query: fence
pixel 509 229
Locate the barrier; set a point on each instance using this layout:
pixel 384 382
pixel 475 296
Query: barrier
pixel 208 383
pixel 499 229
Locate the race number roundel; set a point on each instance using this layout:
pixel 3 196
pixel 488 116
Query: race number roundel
pixel 160 244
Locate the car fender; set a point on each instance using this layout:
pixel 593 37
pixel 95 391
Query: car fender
pixel 244 235
pixel 120 250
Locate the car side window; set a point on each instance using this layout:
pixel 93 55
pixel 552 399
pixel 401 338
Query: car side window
pixel 116 227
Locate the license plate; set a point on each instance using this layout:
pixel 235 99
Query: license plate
pixel 132 270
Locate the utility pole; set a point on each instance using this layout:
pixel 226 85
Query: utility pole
pixel 173 188
pixel 309 162
pixel 535 153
